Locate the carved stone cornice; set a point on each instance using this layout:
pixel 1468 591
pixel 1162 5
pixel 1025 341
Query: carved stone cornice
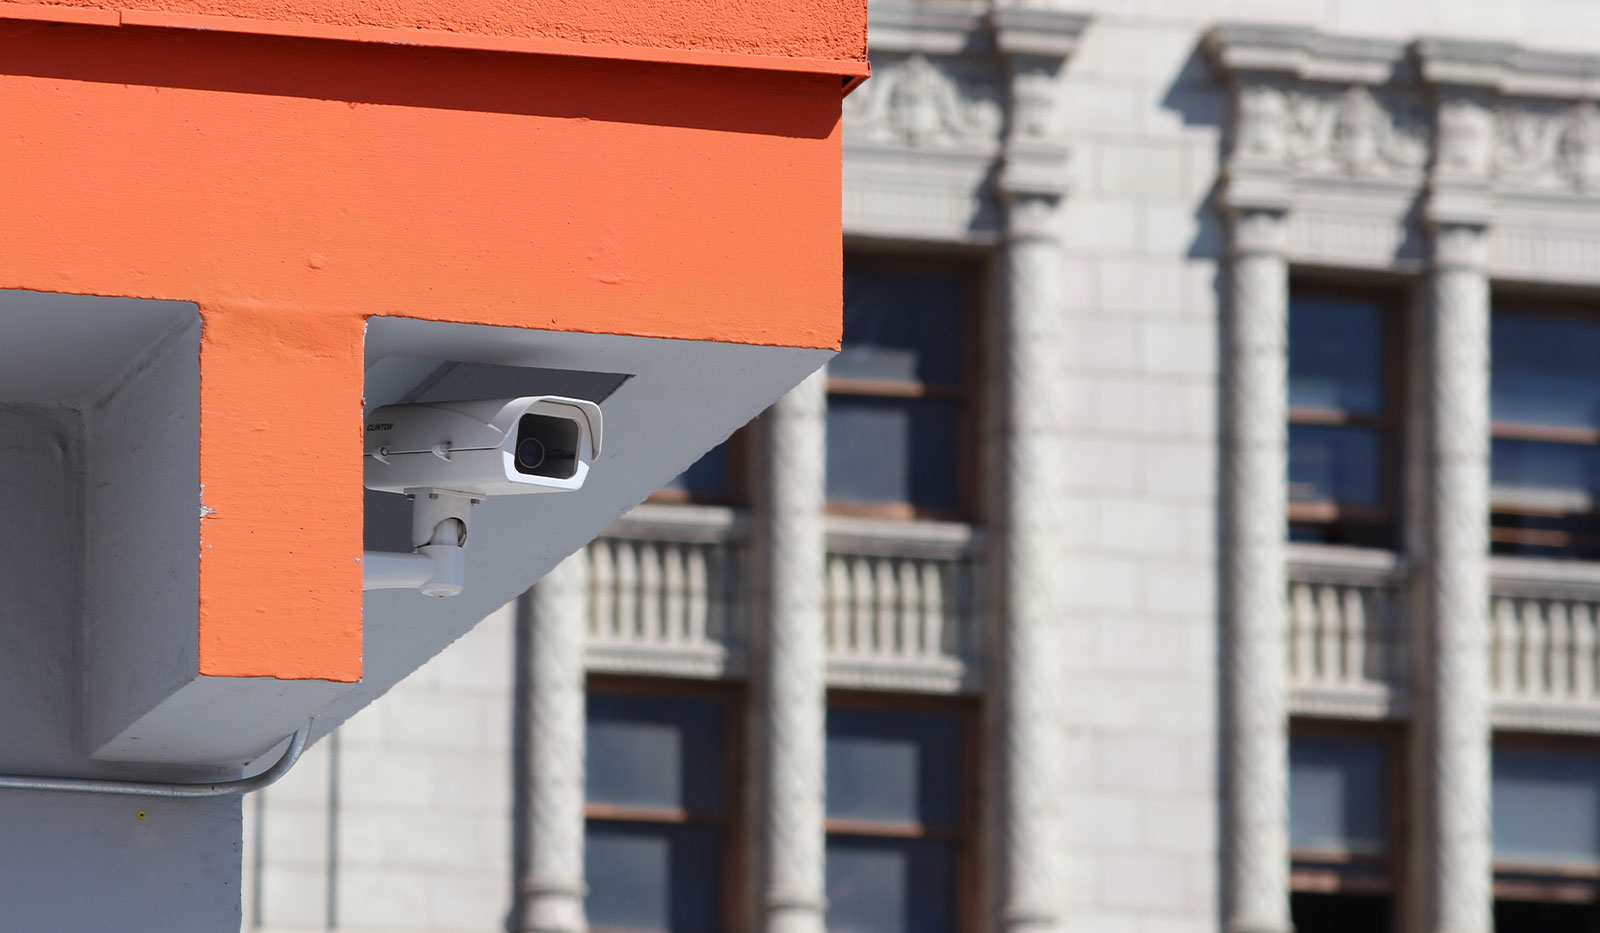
pixel 1254 49
pixel 942 29
pixel 1307 106
pixel 1343 135
pixel 920 103
pixel 1046 34
pixel 959 120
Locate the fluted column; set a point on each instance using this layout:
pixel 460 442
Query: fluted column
pixel 1451 863
pixel 1030 598
pixel 788 672
pixel 1029 606
pixel 1452 721
pixel 1254 494
pixel 553 888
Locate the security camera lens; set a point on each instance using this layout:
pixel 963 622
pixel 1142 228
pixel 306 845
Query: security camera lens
pixel 530 453
pixel 547 446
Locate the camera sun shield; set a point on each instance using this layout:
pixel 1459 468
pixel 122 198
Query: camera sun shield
pixel 483 448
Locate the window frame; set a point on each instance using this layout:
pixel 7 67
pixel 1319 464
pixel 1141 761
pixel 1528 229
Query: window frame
pixel 1515 304
pixel 732 835
pixel 973 270
pixel 1330 872
pixel 1531 882
pixel 965 835
pixel 1393 303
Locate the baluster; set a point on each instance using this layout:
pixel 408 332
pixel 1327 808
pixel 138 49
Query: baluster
pixel 695 590
pixel 838 602
pixel 628 591
pixel 1531 628
pixel 1330 632
pixel 1302 624
pixel 650 621
pixel 861 605
pixel 1505 648
pixel 1353 663
pixel 1583 648
pixel 674 585
pixel 933 605
pixel 602 607
pixel 884 591
pixel 908 609
pixel 1558 654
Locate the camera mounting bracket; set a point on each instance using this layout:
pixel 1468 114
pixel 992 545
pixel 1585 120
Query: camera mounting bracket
pixel 437 566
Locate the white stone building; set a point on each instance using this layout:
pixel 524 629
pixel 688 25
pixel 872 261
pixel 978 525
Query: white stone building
pixel 1196 534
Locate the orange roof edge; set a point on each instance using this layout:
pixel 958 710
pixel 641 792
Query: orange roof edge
pixel 853 71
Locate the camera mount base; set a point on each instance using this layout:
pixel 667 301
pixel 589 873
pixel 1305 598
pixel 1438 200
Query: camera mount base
pixel 439 533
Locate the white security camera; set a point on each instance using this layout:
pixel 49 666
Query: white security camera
pixel 448 455
pixel 496 447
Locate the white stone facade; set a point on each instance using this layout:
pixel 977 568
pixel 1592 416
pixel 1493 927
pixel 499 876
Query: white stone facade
pixel 1142 178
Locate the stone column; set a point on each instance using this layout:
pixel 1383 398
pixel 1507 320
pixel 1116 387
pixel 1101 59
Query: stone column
pixel 1451 857
pixel 1028 557
pixel 1029 602
pixel 553 890
pixel 1253 488
pixel 1254 494
pixel 789 674
pixel 1451 861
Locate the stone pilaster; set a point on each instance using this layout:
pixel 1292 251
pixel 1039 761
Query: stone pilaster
pixel 1254 494
pixel 1253 489
pixel 789 674
pixel 1450 860
pixel 1029 606
pixel 553 889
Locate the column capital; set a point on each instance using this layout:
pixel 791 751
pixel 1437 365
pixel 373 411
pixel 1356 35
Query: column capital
pixel 1031 213
pixel 1459 244
pixel 1258 229
pixel 1035 43
pixel 1460 197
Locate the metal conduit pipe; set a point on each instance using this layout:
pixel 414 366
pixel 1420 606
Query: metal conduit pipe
pixel 297 744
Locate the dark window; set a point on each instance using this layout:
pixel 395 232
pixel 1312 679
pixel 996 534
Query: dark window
pixel 1342 400
pixel 1546 818
pixel 1545 453
pixel 1513 916
pixel 706 480
pixel 898 392
pixel 659 828
pixel 899 818
pixel 1342 913
pixel 1546 806
pixel 1341 797
pixel 1336 796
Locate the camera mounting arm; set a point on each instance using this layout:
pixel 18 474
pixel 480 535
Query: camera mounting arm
pixel 439 533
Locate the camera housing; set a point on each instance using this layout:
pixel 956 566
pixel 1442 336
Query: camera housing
pixel 482 448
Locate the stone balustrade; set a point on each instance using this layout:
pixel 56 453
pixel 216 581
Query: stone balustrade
pixel 903 605
pixel 669 591
pixel 1346 640
pixel 1347 644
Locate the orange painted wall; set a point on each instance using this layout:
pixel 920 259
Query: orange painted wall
pixel 825 29
pixel 293 187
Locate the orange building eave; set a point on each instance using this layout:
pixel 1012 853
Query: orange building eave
pixel 852 71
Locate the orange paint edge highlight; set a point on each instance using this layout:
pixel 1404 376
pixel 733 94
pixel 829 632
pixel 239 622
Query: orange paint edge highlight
pixel 82 16
pixel 857 71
